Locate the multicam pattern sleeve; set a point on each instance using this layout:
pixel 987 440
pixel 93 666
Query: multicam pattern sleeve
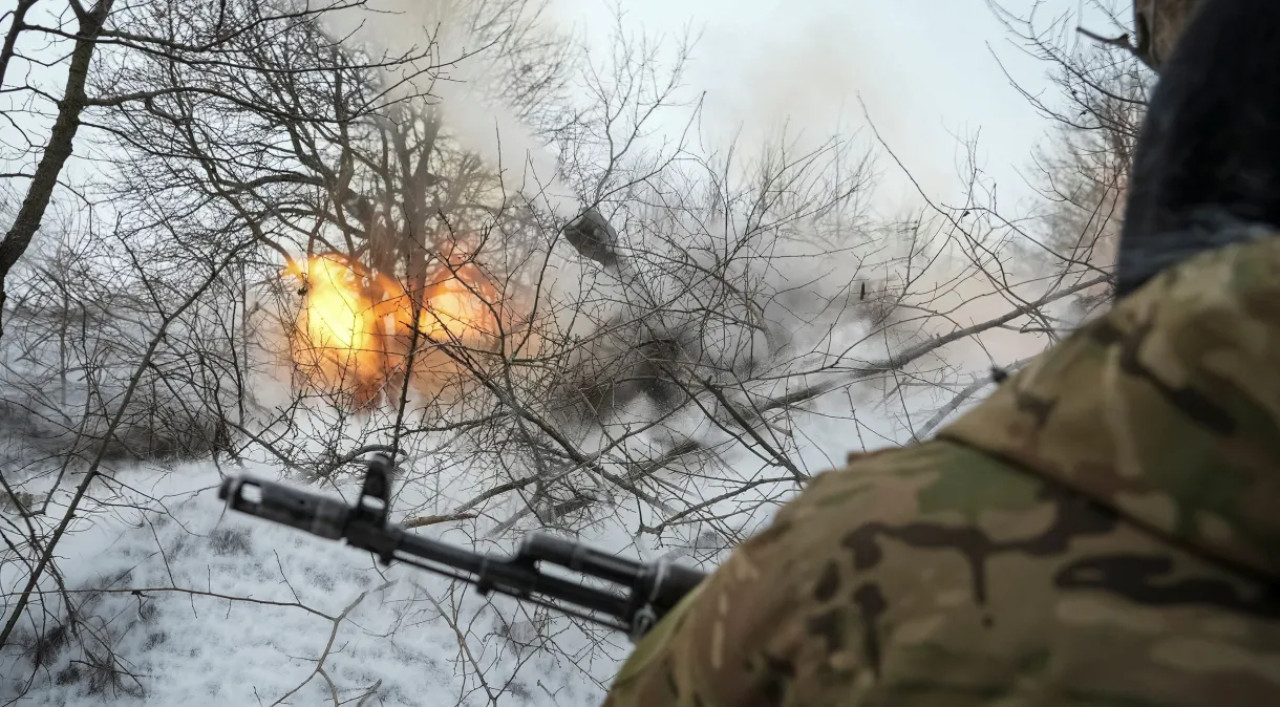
pixel 1103 530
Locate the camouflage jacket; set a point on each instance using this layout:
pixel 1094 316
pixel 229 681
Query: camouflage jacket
pixel 1103 530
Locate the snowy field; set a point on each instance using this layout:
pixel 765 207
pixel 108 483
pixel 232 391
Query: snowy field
pixel 826 294
pixel 178 601
pixel 208 608
pixel 202 606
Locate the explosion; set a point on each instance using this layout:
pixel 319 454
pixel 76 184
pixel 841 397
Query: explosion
pixel 457 310
pixel 355 328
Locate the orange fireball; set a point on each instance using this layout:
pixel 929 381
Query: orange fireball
pixel 336 342
pixel 354 326
pixel 458 309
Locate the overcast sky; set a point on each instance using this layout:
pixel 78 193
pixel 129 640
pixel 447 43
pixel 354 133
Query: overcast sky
pixel 927 71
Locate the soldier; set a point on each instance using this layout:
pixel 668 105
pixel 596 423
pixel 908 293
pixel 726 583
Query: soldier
pixel 1105 528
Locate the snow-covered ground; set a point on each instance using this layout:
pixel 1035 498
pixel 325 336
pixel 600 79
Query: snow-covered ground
pixel 206 607
pixel 201 606
pixel 179 601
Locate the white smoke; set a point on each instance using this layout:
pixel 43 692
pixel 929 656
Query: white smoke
pixel 461 74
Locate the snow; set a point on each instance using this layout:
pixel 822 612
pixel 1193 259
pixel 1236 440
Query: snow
pixel 209 607
pixel 182 602
pixel 204 606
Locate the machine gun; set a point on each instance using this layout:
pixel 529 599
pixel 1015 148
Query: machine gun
pixel 641 595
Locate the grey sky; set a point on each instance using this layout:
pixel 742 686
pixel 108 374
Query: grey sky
pixel 926 69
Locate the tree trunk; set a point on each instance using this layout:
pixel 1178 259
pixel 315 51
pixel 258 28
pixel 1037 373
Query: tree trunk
pixel 58 148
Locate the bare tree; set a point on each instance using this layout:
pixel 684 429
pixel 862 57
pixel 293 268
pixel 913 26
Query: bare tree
pixel 83 28
pixel 632 346
pixel 1097 113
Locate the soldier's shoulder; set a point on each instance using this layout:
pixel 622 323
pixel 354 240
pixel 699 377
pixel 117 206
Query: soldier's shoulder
pixel 1166 409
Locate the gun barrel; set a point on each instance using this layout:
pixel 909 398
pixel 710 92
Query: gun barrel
pixel 517 577
pixel 276 502
pixel 661 584
pixel 548 548
pixel 649 590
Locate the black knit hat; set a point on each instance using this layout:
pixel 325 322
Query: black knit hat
pixel 1206 170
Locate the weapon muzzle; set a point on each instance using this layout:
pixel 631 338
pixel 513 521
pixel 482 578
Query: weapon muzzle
pixel 275 502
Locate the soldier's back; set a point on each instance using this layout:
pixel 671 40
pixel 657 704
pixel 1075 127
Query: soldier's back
pixel 1105 528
